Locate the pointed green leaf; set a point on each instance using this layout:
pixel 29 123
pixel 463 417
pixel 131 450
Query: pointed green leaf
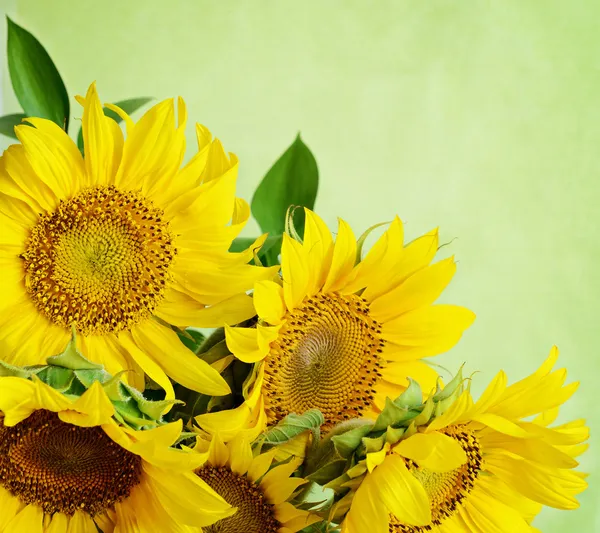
pixel 268 253
pixel 129 106
pixel 8 123
pixel 35 79
pixel 292 180
pixel 191 338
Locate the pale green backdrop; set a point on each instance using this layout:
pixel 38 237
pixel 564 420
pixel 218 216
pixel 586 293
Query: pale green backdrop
pixel 482 117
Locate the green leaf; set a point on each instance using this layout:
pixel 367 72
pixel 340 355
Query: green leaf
pixel 292 180
pixel 292 425
pixel 267 254
pixel 35 79
pixel 129 106
pixel 191 338
pixel 8 123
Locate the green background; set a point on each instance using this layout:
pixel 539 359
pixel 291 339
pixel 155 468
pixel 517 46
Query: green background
pixel 481 117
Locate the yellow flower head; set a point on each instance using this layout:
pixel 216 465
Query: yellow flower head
pixel 110 242
pixel 259 491
pixel 341 336
pixel 67 466
pixel 479 467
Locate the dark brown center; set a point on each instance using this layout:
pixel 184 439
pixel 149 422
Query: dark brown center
pixel 254 514
pixel 65 468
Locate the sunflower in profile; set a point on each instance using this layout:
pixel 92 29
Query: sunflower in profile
pixel 120 244
pixel 66 465
pixel 340 333
pixel 478 467
pixel 259 490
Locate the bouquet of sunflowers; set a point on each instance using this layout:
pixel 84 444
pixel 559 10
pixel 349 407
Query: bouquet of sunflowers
pixel 160 374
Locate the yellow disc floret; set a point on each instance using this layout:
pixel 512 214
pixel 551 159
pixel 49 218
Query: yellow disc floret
pixel 100 261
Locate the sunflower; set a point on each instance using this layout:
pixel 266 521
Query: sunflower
pixel 340 335
pixel 66 465
pixel 258 490
pixel 120 244
pixel 481 467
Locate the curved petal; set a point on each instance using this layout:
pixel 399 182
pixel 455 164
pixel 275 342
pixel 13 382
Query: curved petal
pixel 181 310
pixel 165 348
pixel 294 268
pixel 344 258
pixel 434 451
pixel 417 291
pixel 102 141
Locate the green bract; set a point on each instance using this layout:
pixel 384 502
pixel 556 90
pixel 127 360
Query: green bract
pixel 72 374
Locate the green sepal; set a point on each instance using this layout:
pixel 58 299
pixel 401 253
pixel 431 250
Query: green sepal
pixel 451 387
pixel 132 416
pixel 393 435
pixel 394 415
pixel 7 370
pixel 411 397
pixel 373 444
pixel 191 338
pixel 331 470
pixel 151 408
pixel 314 497
pixel 292 426
pixel 114 388
pixel 361 240
pixel 57 377
pixel 71 358
pixel 346 443
pixel 88 376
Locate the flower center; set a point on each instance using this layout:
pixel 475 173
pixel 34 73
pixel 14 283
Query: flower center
pixel 326 357
pixel 65 468
pixel 100 261
pixel 446 490
pixel 254 514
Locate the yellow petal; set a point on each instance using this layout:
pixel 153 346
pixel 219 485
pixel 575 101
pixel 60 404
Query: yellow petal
pixel 240 454
pixel 344 258
pixel 243 343
pixel 81 522
pixel 180 363
pixel 419 290
pixel 269 301
pixel 53 155
pixel 30 519
pixel 59 524
pixel 102 140
pixel 400 263
pixel 147 364
pixel 218 453
pixel 434 329
pixel 294 268
pixel 92 408
pixel 434 451
pixel 400 492
pixel 181 310
pixel 319 244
